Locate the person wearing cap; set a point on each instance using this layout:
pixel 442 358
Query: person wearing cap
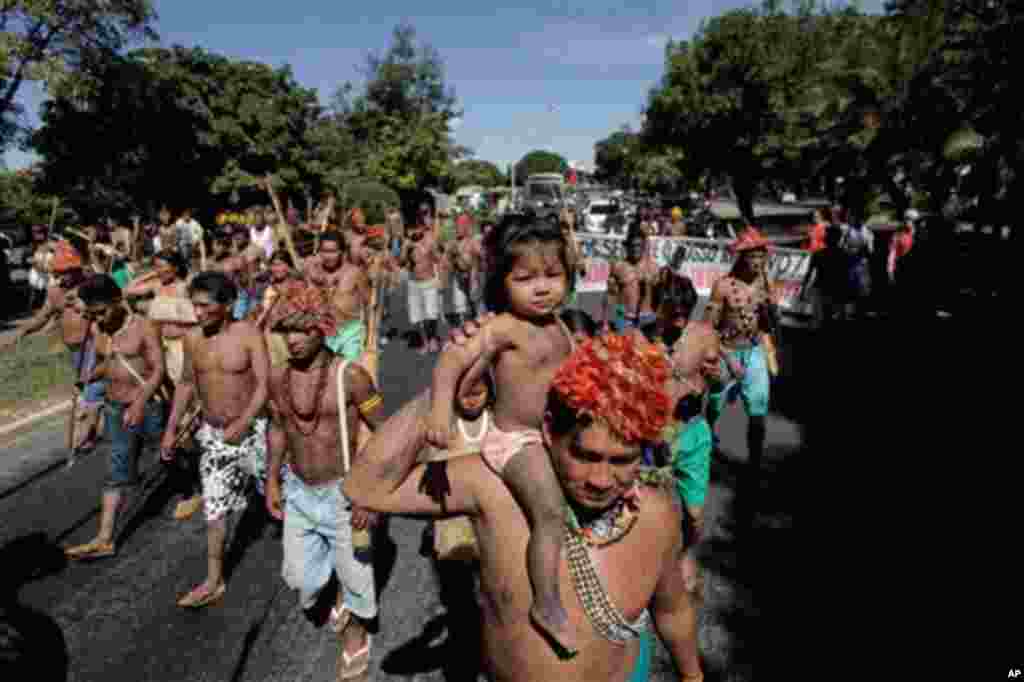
pixel 742 310
pixel 677 228
pixel 77 334
pixel 130 358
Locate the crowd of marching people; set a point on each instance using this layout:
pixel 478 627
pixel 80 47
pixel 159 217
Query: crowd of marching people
pixel 565 458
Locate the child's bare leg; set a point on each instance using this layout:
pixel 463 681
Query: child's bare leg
pixel 532 480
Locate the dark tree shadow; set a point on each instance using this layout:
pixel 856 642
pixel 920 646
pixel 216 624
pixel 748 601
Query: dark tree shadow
pixel 32 645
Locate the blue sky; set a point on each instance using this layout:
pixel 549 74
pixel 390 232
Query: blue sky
pixel 559 75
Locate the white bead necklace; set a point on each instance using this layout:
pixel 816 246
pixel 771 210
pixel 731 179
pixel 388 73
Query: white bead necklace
pixel 480 435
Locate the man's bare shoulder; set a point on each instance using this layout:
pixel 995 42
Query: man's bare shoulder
pixel 662 511
pixel 356 374
pixel 246 329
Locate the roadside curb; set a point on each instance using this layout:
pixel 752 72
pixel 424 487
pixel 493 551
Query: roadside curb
pixel 25 421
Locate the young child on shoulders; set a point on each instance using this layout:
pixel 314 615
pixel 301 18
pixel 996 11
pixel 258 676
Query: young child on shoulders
pixel 524 345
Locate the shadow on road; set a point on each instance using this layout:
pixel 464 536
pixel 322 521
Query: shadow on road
pixel 458 654
pixel 32 645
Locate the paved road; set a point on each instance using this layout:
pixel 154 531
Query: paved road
pixel 116 619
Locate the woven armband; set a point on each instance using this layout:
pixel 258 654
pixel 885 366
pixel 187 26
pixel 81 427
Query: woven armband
pixel 371 403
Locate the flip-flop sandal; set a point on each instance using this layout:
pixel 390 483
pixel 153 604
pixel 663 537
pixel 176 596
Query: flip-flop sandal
pixel 349 667
pixel 194 601
pixel 91 550
pixel 339 619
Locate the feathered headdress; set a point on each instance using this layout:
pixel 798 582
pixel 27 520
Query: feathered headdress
pixel 620 381
pixel 305 307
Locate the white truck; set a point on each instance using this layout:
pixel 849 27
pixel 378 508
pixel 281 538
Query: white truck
pixel 543 194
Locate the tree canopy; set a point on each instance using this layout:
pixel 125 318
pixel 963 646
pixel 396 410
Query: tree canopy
pixel 62 43
pixel 540 161
pixel 183 126
pixel 476 172
pixel 915 104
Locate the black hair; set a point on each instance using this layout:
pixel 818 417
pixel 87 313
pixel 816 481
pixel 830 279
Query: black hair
pixel 72 278
pixel 689 406
pixel 517 230
pixel 677 292
pixel 174 258
pixel 487 378
pixel 283 256
pixel 833 235
pixel 333 236
pixel 635 232
pixel 218 285
pixel 578 321
pixel 99 289
pixel 561 418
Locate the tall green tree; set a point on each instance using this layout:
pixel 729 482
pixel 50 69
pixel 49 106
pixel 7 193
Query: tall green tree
pixel 20 202
pixel 615 158
pixel 540 161
pixel 476 172
pixel 61 43
pixel 401 122
pixel 181 126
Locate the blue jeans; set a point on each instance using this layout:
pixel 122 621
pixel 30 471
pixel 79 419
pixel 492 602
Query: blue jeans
pixel 126 444
pixel 318 540
pixel 242 305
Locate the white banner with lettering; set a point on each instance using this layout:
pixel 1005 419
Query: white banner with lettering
pixel 704 262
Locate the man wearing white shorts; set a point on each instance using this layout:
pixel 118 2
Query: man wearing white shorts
pixel 422 255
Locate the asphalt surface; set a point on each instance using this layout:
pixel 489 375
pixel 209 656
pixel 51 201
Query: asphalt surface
pixel 116 619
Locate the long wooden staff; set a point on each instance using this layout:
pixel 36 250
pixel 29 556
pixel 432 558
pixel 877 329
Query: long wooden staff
pixel 53 218
pixel 284 227
pixel 75 399
pixel 185 430
pixel 323 223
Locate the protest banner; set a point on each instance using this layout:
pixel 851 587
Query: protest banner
pixel 705 260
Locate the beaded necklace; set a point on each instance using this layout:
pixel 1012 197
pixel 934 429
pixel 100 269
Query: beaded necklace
pixel 321 385
pixel 612 525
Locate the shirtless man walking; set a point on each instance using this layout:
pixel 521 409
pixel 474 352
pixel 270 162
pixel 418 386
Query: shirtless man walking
pixel 233 258
pixel 632 282
pixel 75 330
pixel 226 362
pixel 464 255
pixel 422 256
pixel 741 310
pixel 318 519
pixel 348 286
pixel 621 572
pixel 131 358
